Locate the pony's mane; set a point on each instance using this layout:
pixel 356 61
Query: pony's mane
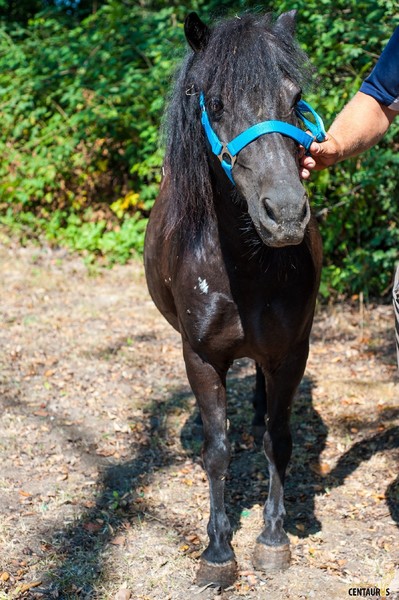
pixel 246 56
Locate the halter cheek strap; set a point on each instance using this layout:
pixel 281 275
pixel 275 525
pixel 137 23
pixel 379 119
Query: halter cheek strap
pixel 227 153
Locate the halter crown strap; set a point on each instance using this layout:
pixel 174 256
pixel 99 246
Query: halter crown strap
pixel 227 153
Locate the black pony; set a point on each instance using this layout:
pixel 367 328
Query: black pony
pixel 235 266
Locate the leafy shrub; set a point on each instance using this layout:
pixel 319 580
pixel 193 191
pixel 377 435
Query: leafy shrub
pixel 358 198
pixel 81 104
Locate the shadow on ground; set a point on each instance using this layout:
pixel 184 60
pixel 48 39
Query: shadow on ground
pixel 79 548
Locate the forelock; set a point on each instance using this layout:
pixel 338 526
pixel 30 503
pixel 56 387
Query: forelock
pixel 249 55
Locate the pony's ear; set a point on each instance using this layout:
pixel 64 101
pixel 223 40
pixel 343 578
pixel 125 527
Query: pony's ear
pixel 286 22
pixel 197 33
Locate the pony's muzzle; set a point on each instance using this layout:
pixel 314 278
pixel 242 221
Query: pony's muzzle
pixel 283 223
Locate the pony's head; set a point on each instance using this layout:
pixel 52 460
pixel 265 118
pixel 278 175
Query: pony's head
pixel 249 70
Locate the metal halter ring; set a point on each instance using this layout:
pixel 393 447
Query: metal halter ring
pixel 226 156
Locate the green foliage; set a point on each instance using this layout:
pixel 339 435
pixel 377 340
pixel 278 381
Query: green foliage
pixel 83 86
pixel 358 198
pixel 81 106
pixel 22 10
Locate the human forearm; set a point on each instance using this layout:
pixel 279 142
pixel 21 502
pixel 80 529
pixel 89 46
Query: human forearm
pixel 360 125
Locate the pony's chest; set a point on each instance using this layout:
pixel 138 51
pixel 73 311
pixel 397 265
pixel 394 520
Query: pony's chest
pixel 209 316
pixel 221 322
pixel 230 309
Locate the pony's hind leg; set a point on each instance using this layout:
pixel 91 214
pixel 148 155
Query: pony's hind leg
pixel 272 551
pixel 217 565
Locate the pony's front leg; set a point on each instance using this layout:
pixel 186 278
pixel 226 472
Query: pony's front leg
pixel 272 550
pixel 260 406
pixel 217 565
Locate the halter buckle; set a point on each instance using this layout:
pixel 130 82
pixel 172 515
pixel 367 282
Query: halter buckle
pixel 225 156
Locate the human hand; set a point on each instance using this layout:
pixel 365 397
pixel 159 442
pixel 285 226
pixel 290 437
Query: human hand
pixel 322 155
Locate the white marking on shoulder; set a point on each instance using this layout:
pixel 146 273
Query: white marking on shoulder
pixel 203 285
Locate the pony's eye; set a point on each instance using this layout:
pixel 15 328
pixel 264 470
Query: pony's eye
pixel 216 106
pixel 297 98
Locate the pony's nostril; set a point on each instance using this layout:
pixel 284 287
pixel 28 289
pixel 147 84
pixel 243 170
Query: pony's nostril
pixel 269 210
pixel 305 212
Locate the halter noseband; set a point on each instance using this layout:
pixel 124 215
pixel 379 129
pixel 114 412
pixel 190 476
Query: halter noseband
pixel 227 153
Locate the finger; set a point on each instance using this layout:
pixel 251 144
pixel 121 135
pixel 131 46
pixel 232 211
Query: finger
pixel 308 162
pixel 304 174
pixel 316 148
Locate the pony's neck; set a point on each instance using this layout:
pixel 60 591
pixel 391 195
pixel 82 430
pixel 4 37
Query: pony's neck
pixel 228 211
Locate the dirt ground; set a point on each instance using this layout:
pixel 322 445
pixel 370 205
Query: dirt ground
pixel 102 490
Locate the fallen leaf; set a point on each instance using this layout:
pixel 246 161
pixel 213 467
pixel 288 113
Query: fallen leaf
pixel 106 452
pixel 119 540
pixel 294 539
pixel 123 594
pixel 41 413
pixel 185 471
pixel 24 494
pixel 378 497
pixel 320 468
pixel 252 580
pixel 192 538
pixel 28 586
pixel 5 576
pixel 93 527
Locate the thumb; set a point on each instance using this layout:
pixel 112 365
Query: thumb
pixel 316 148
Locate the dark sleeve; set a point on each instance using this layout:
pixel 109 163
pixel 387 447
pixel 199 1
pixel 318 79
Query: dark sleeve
pixel 383 81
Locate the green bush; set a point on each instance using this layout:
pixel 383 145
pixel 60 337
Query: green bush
pixel 357 199
pixel 82 97
pixel 80 111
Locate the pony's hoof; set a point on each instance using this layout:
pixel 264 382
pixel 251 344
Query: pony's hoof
pixel 216 574
pixel 271 558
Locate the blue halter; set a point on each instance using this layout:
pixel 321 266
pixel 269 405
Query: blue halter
pixel 227 153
